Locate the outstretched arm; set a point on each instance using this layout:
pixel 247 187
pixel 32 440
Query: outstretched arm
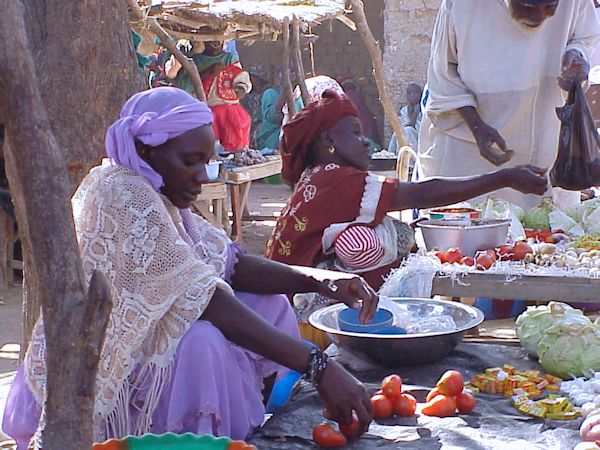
pixel 446 191
pixel 340 391
pixel 263 276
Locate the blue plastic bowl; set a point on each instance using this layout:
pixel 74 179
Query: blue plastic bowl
pixel 348 320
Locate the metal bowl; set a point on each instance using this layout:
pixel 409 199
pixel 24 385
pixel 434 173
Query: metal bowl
pixel 470 235
pixel 402 349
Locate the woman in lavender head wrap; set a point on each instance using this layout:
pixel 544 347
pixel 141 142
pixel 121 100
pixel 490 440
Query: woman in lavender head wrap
pixel 197 324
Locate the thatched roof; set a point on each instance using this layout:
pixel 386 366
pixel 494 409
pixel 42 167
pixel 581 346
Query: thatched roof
pixel 239 19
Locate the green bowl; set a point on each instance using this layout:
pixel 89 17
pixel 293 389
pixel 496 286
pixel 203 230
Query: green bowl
pixel 186 441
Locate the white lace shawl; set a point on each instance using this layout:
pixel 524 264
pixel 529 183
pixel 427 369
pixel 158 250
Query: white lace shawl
pixel 161 278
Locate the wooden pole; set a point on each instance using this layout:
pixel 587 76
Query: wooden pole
pixel 287 82
pixel 166 40
pixel 298 60
pixel 375 52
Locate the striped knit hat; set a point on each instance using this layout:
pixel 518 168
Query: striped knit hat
pixel 359 248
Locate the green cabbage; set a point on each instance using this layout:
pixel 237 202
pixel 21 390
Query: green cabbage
pixel 537 218
pixel 531 325
pixel 570 350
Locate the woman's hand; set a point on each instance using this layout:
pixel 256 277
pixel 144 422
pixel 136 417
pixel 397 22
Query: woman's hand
pixel 351 291
pixel 528 179
pixel 574 68
pixel 342 394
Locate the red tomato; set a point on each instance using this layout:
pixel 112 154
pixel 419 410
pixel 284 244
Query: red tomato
pixel 440 406
pixel 432 393
pixel 440 255
pixel 485 260
pixel 453 255
pixel 392 386
pixel 405 405
pixel 504 252
pixel 240 445
pixel 520 250
pixel 382 407
pixel 353 430
pixel 452 383
pixel 465 402
pixel 467 261
pixel 326 437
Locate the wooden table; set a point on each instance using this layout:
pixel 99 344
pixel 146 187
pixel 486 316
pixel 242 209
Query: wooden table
pixel 532 288
pixel 240 179
pixel 214 195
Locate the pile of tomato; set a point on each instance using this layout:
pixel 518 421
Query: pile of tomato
pixel 444 400
pixel 485 259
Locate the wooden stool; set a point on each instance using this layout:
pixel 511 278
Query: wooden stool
pixel 9 235
pixel 213 196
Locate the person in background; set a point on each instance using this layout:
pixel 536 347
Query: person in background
pixel 225 83
pixel 337 216
pixel 156 75
pixel 252 101
pixel 367 118
pixel 495 77
pixel 410 118
pixel 316 86
pixel 271 109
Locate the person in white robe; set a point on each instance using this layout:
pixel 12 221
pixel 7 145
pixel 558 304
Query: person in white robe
pixel 495 76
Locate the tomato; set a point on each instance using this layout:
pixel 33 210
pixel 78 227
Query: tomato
pixel 392 386
pixel 326 437
pixel 504 252
pixel 440 406
pixel 382 407
pixel 111 444
pixel 451 383
pixel 353 430
pixel 432 393
pixel 465 402
pixel 405 405
pixel 453 255
pixel 440 255
pixel 520 250
pixel 240 445
pixel 484 260
pixel 467 261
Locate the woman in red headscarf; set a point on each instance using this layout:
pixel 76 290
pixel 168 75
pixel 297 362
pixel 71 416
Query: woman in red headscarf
pixel 337 215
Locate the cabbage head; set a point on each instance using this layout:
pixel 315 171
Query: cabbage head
pixel 570 350
pixel 531 325
pixel 537 218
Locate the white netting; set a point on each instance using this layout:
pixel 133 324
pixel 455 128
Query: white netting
pixel 162 278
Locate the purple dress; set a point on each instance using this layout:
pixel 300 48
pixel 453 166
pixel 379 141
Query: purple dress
pixel 215 386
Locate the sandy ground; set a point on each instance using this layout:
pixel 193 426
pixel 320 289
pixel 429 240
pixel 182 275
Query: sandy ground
pixel 264 199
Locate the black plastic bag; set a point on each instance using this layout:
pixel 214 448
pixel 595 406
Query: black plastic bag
pixel 577 165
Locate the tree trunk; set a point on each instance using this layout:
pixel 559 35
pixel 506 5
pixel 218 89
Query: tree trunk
pixel 86 69
pixel 56 117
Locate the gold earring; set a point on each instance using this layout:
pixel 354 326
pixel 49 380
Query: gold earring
pixel 331 150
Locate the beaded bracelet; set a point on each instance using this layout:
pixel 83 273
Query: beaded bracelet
pixel 316 366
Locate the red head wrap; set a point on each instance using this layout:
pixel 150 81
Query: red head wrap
pixel 304 129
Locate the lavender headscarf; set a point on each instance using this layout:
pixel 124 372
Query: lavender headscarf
pixel 153 117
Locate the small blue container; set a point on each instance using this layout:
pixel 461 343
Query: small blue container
pixel 348 320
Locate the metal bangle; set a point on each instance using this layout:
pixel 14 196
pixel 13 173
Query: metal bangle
pixel 332 286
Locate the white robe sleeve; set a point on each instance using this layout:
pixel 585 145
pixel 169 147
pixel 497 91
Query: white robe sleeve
pixel 447 92
pixel 585 31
